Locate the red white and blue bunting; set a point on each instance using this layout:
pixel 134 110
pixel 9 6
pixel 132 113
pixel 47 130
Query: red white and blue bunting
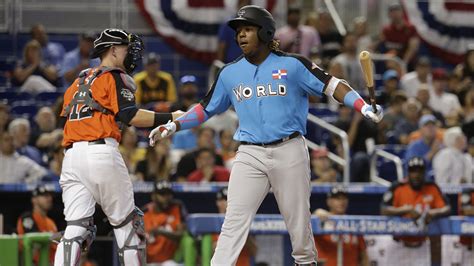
pixel 447 27
pixel 191 26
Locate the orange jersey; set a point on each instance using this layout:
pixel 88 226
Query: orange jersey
pixel 353 246
pixel 162 248
pixel 112 90
pixel 466 199
pixel 244 257
pixel 35 222
pixel 428 197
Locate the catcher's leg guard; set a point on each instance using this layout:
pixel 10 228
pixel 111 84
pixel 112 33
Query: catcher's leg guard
pixel 79 235
pixel 135 232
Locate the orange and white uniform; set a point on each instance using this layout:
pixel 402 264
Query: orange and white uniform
pixel 352 245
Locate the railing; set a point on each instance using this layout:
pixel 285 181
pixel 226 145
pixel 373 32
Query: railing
pixel 377 152
pixel 343 161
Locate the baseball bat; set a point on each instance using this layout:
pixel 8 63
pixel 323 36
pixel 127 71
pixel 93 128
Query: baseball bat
pixel 366 63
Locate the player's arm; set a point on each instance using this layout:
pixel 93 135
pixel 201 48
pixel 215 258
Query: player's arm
pixel 315 81
pixel 216 101
pixel 127 111
pixel 387 207
pixel 441 206
pixel 364 258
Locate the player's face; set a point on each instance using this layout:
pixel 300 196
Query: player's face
pixel 338 204
pixel 248 41
pixel 119 53
pixel 221 205
pixel 416 177
pixel 163 200
pixel 44 201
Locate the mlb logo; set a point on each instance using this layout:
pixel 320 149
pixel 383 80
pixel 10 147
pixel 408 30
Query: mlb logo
pixel 279 74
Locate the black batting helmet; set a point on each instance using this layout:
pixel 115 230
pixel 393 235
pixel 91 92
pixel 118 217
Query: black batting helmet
pixel 257 16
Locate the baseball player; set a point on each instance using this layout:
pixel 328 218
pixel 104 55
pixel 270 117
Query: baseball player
pixel 419 200
pixel 93 169
pixel 269 90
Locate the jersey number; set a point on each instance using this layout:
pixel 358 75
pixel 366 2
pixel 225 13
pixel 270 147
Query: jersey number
pixel 78 113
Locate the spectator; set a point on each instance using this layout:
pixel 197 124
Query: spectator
pixel 361 31
pixel 411 81
pixel 227 120
pixel 399 35
pixel 440 100
pixel 465 71
pixel 206 170
pixel 358 130
pixel 295 37
pixel 53 52
pixel 227 48
pixel 16 168
pixel 423 96
pixel 421 201
pixel 164 224
pixel 466 202
pixel 20 130
pixel 130 150
pixel 390 87
pixel 468 109
pixel 250 248
pixel 188 93
pixel 409 122
pixel 394 112
pixel 37 219
pixel 187 164
pixel 322 171
pixel 4 117
pixel 157 163
pixel 32 74
pixel 428 145
pixel 154 85
pixel 451 164
pixel 79 59
pixel 44 134
pixel 347 66
pixel 331 40
pixel 56 162
pixel 354 248
pixel 228 148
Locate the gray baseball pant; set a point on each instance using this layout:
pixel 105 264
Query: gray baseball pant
pixel 283 167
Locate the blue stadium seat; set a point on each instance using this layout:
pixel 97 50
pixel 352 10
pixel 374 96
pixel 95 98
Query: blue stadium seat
pixel 27 111
pixel 14 96
pixel 386 169
pixel 48 97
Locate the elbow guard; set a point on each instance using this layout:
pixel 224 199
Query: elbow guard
pixel 126 115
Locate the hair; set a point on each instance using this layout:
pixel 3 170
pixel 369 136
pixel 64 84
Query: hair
pixel 33 44
pixel 202 150
pixel 274 45
pixel 202 129
pixel 413 101
pixel 16 123
pixel 450 136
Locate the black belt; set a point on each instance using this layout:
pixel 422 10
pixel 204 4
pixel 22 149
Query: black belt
pixel 292 136
pixel 92 142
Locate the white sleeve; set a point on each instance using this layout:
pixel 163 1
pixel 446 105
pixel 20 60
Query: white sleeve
pixel 35 171
pixel 441 167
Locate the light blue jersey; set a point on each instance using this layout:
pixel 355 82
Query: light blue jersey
pixel 271 99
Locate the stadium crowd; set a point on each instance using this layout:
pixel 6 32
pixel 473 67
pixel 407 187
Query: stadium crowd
pixel 429 113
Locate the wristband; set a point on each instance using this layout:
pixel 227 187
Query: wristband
pixel 353 99
pixel 162 118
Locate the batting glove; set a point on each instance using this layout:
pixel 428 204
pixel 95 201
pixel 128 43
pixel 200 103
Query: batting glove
pixel 368 112
pixel 162 132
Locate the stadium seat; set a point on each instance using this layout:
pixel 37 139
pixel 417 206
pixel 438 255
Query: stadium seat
pixel 13 96
pixel 27 111
pixel 385 168
pixel 48 97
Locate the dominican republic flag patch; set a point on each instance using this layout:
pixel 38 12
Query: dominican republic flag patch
pixel 279 74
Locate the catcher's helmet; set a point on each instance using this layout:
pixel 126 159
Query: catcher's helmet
pixel 256 16
pixel 109 37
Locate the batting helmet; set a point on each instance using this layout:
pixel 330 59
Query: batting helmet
pixel 257 16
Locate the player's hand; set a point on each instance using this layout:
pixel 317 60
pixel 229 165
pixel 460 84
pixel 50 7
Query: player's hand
pixel 368 112
pixel 162 131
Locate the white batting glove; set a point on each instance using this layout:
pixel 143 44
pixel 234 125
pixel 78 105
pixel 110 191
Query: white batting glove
pixel 368 112
pixel 161 132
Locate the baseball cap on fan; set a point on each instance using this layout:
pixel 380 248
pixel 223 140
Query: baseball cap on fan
pixel 188 79
pixel 42 190
pixel 222 194
pixel 337 190
pixel 425 119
